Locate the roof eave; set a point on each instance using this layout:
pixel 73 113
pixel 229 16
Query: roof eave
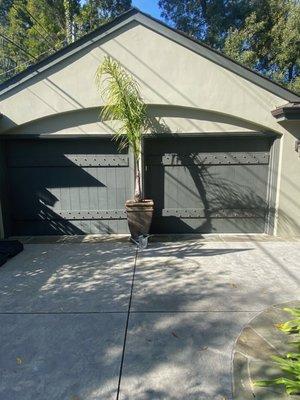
pixel 163 29
pixel 288 112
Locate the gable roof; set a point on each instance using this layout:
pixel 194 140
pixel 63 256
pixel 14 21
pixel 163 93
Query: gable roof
pixel 173 34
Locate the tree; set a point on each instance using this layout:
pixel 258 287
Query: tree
pixel 96 12
pixel 207 20
pixel 123 103
pixel 15 32
pixel 261 34
pixel 4 8
pixel 5 63
pixel 269 41
pixel 37 28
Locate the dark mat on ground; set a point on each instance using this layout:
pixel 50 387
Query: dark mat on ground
pixel 8 249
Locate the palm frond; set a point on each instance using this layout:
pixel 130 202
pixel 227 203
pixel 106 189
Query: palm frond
pixel 122 103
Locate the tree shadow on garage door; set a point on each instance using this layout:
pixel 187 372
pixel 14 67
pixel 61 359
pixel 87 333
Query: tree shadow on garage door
pixel 221 204
pixel 35 207
pixel 66 194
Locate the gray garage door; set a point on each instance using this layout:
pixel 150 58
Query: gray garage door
pixel 69 186
pixel 208 185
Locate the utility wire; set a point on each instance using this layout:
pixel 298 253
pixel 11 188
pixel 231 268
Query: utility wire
pixel 37 22
pixel 46 39
pixel 14 68
pixel 21 48
pixel 25 51
pixel 18 46
pixel 22 64
pixel 26 62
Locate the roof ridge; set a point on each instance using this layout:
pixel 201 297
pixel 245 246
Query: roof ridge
pixel 132 12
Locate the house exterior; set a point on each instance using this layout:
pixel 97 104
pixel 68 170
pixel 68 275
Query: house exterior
pixel 221 154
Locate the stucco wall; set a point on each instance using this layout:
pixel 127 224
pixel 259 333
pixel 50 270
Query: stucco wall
pixel 168 74
pixel 289 184
pixel 188 93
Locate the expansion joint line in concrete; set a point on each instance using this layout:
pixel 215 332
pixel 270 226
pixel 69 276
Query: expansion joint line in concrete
pixel 127 324
pixel 61 312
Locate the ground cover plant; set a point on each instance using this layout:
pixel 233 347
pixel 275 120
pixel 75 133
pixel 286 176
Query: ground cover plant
pixel 290 362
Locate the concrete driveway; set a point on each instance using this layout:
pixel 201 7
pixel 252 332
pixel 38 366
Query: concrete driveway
pixel 87 321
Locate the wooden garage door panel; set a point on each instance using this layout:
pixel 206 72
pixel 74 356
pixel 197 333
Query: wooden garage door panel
pixel 54 195
pixel 191 145
pixel 67 189
pixel 216 186
pixel 201 196
pixel 24 152
pixel 66 227
pixel 207 225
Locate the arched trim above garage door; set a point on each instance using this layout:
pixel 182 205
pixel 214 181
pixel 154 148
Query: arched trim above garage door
pixel 165 119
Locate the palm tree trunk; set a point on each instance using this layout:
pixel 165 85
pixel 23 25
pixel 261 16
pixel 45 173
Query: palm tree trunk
pixel 137 189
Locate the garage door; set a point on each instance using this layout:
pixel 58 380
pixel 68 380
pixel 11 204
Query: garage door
pixel 69 186
pixel 208 185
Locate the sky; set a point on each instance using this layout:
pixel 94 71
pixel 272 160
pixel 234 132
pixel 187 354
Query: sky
pixel 148 6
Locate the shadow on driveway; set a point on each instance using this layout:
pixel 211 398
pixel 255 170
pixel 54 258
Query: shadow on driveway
pixel 64 307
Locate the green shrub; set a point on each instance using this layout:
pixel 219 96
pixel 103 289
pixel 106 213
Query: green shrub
pixel 292 326
pixel 290 362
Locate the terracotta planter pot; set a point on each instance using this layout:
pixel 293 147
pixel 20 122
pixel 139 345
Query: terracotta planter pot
pixel 139 217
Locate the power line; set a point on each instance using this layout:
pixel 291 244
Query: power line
pixel 18 46
pixel 38 23
pixel 45 38
pixel 22 64
pixel 25 51
pixel 14 68
pixel 7 39
pixel 36 58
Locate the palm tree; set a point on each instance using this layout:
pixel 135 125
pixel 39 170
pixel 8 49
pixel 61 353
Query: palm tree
pixel 123 103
